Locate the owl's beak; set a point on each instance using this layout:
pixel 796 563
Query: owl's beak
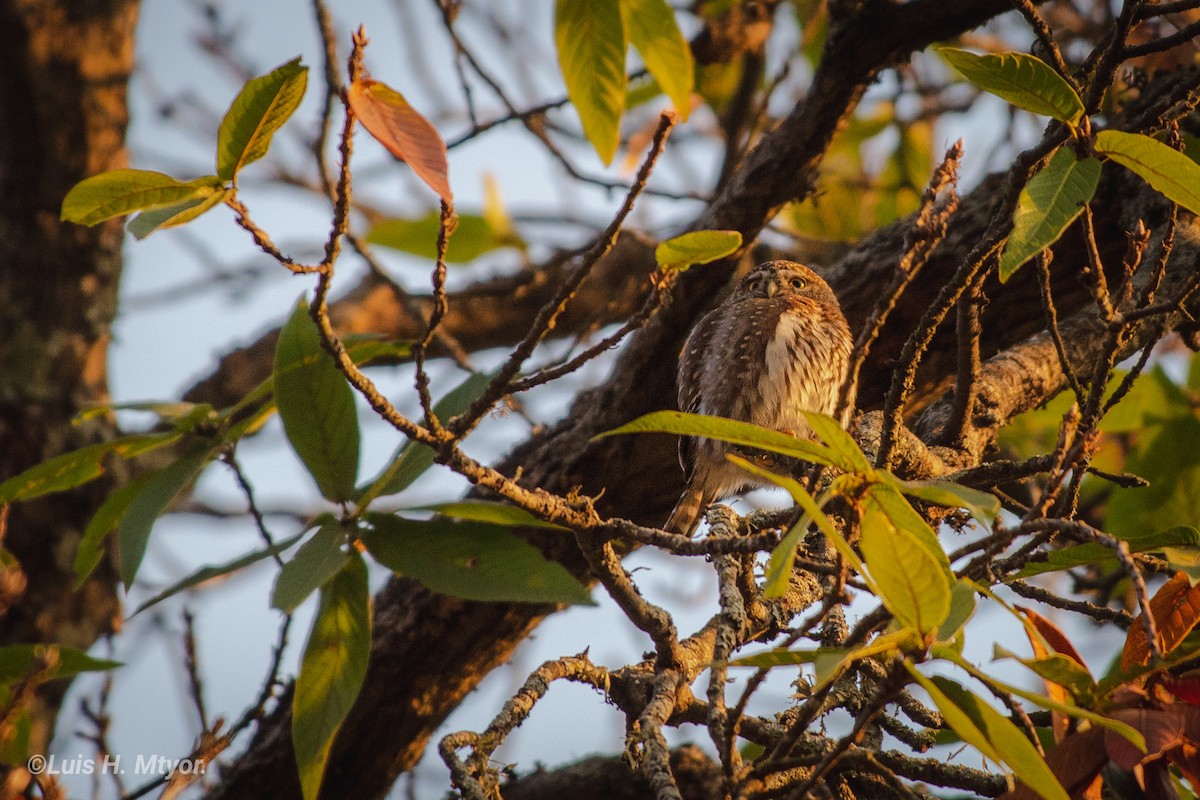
pixel 772 288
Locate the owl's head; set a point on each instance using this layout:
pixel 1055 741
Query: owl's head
pixel 788 279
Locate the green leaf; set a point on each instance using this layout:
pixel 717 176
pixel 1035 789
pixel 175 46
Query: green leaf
pixel 332 670
pixel 1049 203
pixel 120 191
pixel 904 558
pixel 1114 725
pixel 652 30
pixel 412 459
pixel 1095 553
pixel 78 466
pixel 788 658
pixel 205 574
pixel 1167 455
pixel 1023 80
pixel 148 222
pixel 259 110
pixel 590 38
pixel 472 237
pixel 991 733
pixel 984 506
pixel 1184 559
pixel 783 557
pixel 17 659
pixel 315 563
pixel 697 247
pixel 133 532
pixel 962 608
pixel 1056 668
pixel 495 513
pixel 103 522
pixel 1163 167
pixel 729 430
pixel 834 435
pixel 471 560
pixel 831 662
pixel 316 406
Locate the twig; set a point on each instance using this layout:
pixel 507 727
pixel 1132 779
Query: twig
pixel 260 524
pixel 192 664
pixel 928 230
pixel 438 279
pixel 548 315
pixel 1046 38
pixel 1042 260
pixel 969 329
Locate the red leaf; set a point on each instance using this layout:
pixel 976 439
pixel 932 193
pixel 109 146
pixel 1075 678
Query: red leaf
pixel 1165 728
pixel 1176 610
pixel 405 133
pixel 1053 636
pixel 1185 687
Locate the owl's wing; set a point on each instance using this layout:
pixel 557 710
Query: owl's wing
pixel 690 381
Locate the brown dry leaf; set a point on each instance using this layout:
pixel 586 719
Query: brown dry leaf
pixel 403 131
pixel 1176 610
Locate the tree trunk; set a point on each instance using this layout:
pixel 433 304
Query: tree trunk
pixel 64 66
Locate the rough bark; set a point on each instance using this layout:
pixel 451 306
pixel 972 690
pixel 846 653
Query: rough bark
pixel 390 723
pixel 64 66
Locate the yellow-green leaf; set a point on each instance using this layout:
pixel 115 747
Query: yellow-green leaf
pixel 121 191
pixel 316 406
pixel 902 555
pixel 261 108
pixel 148 222
pixel 1023 80
pixel 783 557
pixel 831 662
pixel 834 435
pixel 982 505
pixel 590 38
pixel 697 247
pixel 1050 201
pixel 729 430
pixel 78 466
pixel 652 30
pixel 472 237
pixel 1163 167
pixel 484 511
pixel 332 670
pixel 991 733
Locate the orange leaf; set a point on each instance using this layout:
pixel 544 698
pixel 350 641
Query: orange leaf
pixel 405 133
pixel 1053 636
pixel 1062 645
pixel 1176 610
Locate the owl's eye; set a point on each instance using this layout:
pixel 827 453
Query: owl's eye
pixel 798 283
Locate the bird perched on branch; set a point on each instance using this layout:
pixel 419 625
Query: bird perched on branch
pixel 777 346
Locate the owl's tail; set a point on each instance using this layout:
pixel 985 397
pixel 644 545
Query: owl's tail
pixel 686 516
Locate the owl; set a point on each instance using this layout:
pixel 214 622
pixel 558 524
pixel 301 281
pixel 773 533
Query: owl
pixel 777 346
